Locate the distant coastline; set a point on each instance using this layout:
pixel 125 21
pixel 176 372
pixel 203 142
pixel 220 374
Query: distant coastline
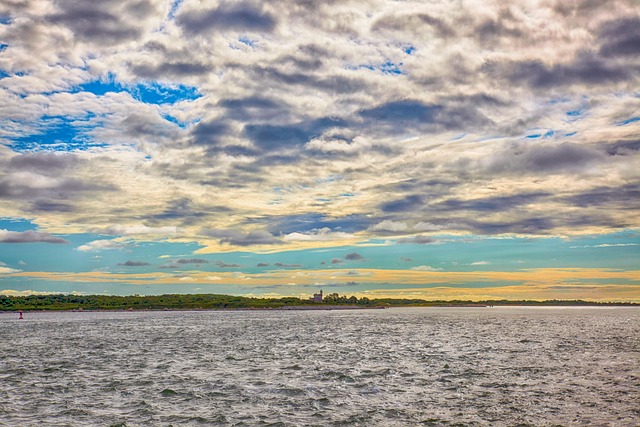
pixel 62 302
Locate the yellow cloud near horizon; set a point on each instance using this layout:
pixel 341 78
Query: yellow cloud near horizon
pixel 544 283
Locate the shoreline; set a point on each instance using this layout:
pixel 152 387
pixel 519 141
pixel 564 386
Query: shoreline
pixel 316 308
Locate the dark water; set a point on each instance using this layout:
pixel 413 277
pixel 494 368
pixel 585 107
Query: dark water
pixel 397 367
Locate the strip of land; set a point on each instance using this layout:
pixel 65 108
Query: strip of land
pixel 229 302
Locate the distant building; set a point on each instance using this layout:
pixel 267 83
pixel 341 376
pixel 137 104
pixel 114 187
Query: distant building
pixel 317 297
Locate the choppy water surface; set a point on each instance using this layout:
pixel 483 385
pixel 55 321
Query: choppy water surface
pixel 396 367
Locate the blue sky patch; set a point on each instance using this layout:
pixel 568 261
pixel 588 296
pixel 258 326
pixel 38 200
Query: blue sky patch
pixel 57 133
pixel 147 92
pixel 537 135
pixel 628 121
pixel 174 8
pixel 247 41
pixel 388 67
pixel 16 224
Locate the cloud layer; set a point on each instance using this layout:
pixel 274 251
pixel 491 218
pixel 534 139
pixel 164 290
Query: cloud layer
pixel 278 126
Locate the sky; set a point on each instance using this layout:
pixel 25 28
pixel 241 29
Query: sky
pixel 451 149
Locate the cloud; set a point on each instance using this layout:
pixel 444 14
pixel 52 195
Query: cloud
pixel 121 230
pixel 425 268
pixel 238 238
pixel 29 236
pixel 192 261
pixel 620 37
pixel 279 264
pixel 354 256
pixel 15 293
pixel 390 227
pixel 336 261
pixel 242 16
pixel 546 158
pixel 223 264
pixel 606 245
pixel 417 240
pixel 480 263
pixel 408 203
pixel 100 245
pixel 134 264
pixel 7 270
pixel 109 22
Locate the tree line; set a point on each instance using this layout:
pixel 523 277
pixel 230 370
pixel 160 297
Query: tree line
pixel 217 301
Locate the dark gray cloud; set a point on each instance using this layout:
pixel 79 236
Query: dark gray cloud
pixel 106 22
pixel 417 240
pixel 192 261
pixel 336 261
pixel 182 210
pixel 147 126
pixel 620 148
pixel 223 264
pixel 336 84
pixel 43 162
pixel 262 264
pixel 626 197
pixel 490 204
pixel 620 37
pixel 240 16
pixel 585 69
pixel 29 236
pixel 279 264
pixel 549 158
pixel 170 69
pixel 274 137
pixel 492 29
pixel 59 189
pixel 134 264
pixel 254 108
pixel 406 115
pixel 209 133
pixel 235 237
pixel 354 256
pixel 51 206
pixel 403 112
pixel 540 225
pixel 414 22
pixel 409 203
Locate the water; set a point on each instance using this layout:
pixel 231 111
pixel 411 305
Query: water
pixel 398 367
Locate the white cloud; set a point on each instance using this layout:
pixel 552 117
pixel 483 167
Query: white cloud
pixel 480 263
pixel 99 245
pixel 323 234
pixel 390 226
pixel 425 268
pixel 135 230
pixel 7 270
